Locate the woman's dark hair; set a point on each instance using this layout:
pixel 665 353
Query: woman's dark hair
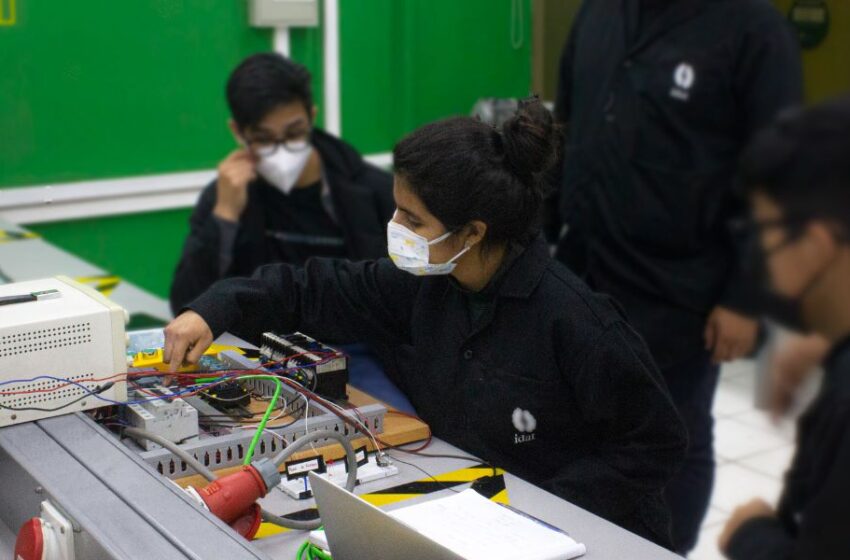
pixel 802 161
pixel 465 170
pixel 264 81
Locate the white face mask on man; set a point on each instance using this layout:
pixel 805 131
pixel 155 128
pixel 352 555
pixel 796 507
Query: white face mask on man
pixel 283 167
pixel 411 252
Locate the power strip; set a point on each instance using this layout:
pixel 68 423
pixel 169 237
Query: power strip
pixel 299 488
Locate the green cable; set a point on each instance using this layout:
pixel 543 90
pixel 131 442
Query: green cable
pixel 262 425
pixel 316 553
pixel 309 551
pixel 319 553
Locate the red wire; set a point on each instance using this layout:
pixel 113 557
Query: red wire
pixel 361 424
pixel 85 380
pixel 156 372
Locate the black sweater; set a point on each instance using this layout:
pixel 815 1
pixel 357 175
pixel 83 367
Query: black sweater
pixel 550 382
pixel 361 201
pixel 813 521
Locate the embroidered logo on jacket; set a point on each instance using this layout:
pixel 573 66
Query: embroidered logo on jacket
pixel 684 77
pixel 524 423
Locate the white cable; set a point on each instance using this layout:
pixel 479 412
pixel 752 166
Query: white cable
pixel 306 420
pixel 366 426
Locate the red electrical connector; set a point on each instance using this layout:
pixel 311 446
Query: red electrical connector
pixel 233 498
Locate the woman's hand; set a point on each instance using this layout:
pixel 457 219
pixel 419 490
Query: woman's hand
pixel 186 339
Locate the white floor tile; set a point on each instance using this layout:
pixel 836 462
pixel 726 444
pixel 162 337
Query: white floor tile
pixel 735 440
pixel 731 399
pixel 752 453
pixel 706 548
pixel 746 381
pixel 738 369
pixel 772 463
pixel 735 485
pixel 714 516
pixel 786 429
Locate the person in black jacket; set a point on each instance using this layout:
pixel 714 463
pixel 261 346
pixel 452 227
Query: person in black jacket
pixel 659 98
pixel 798 173
pixel 289 192
pixel 502 350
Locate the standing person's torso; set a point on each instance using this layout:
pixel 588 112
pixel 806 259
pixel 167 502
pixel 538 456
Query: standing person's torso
pixel 658 117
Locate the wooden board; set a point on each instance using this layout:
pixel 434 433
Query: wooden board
pixel 398 430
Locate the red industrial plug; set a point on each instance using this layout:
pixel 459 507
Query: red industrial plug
pixel 233 498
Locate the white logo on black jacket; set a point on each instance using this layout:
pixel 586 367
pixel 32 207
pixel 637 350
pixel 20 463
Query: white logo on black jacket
pixel 683 79
pixel 525 423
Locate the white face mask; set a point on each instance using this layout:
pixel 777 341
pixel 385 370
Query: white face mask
pixel 283 168
pixel 410 252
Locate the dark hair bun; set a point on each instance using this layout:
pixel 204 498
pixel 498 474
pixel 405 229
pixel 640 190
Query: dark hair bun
pixel 530 140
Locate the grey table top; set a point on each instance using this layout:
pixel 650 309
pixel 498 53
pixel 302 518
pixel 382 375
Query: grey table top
pixel 603 539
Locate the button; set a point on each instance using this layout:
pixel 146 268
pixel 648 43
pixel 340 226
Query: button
pixel 467 355
pixel 628 63
pixel 609 118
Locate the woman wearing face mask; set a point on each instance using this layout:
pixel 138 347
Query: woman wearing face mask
pixel 503 351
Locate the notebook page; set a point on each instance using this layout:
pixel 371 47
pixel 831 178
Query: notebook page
pixel 477 528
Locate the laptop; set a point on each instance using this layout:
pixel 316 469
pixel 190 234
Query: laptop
pixel 355 529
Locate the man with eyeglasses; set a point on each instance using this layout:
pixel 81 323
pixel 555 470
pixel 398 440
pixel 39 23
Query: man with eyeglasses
pixel 289 191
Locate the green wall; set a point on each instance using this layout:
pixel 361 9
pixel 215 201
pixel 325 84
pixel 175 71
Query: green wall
pixel 408 62
pixel 403 63
pixel 109 88
pixel 142 248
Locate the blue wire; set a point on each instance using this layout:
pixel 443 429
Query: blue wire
pixel 189 389
pixel 91 391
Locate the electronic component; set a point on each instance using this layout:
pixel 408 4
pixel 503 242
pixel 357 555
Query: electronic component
pixel 153 358
pixel 226 445
pixel 227 395
pixel 369 468
pixel 318 367
pixel 172 418
pixel 76 335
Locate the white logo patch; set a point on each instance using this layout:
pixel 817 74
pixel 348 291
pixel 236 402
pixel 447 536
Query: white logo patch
pixel 525 423
pixel 684 77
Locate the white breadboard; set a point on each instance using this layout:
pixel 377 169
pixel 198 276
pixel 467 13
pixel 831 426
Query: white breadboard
pixel 299 488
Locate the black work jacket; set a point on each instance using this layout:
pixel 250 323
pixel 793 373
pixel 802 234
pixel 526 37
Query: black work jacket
pixel 814 511
pixel 657 113
pixel 361 201
pixel 550 383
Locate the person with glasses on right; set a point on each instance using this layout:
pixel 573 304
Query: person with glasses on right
pixel 797 174
pixel 288 192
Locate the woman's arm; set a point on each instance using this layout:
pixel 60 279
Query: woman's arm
pixel 333 300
